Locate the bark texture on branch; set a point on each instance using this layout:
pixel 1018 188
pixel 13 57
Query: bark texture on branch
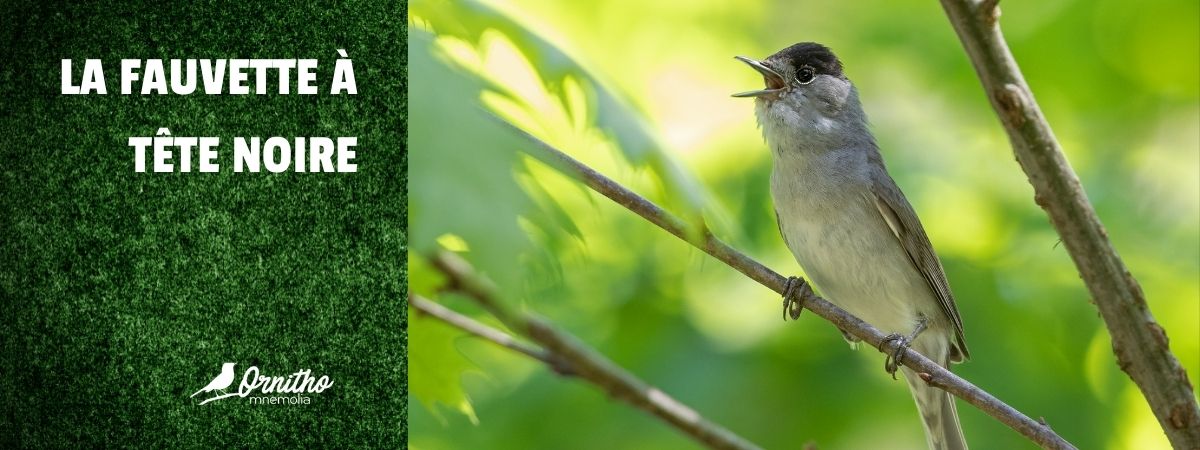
pixel 934 374
pixel 1139 342
pixel 566 355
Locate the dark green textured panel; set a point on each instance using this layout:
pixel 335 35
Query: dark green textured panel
pixel 122 293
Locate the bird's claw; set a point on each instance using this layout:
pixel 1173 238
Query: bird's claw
pixel 793 297
pixel 894 359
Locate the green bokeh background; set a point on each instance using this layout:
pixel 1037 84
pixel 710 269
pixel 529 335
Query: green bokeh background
pixel 1119 82
pixel 124 292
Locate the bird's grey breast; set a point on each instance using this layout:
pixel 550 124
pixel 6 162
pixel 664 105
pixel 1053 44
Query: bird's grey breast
pixel 817 196
pixel 836 233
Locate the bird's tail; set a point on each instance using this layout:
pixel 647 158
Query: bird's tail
pixel 938 414
pixel 197 393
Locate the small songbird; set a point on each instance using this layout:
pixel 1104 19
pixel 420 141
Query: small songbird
pixel 221 382
pixel 849 226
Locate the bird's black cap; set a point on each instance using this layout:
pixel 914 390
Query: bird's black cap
pixel 812 54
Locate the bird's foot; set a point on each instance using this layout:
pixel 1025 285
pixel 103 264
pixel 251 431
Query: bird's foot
pixel 894 359
pixel 793 297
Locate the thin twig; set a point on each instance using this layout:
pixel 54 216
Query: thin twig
pixel 1139 342
pixel 704 240
pixel 567 355
pixel 480 330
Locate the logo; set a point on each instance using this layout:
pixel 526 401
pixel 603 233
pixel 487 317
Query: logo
pixel 298 385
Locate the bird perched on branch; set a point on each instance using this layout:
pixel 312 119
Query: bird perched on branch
pixel 850 227
pixel 221 382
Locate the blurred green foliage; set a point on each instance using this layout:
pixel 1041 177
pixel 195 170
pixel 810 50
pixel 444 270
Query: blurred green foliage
pixel 640 90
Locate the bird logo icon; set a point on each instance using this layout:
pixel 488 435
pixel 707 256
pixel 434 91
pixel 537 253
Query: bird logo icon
pixel 221 382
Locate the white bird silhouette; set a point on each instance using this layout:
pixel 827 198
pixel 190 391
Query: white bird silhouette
pixel 221 382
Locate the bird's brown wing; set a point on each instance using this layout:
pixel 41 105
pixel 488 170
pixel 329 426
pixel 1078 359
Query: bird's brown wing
pixel 904 224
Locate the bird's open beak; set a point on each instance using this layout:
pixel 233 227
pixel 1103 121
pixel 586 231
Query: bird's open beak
pixel 774 81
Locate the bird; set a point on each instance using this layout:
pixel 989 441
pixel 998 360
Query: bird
pixel 221 382
pixel 850 227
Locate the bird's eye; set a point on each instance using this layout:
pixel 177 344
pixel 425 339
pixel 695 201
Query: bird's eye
pixel 805 75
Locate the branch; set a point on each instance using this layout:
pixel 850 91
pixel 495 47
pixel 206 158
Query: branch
pixel 566 355
pixel 482 331
pixel 1139 342
pixel 938 376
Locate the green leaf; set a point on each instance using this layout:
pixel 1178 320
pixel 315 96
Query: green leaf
pixel 549 215
pixel 572 83
pixel 435 367
pixel 461 172
pixel 423 279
